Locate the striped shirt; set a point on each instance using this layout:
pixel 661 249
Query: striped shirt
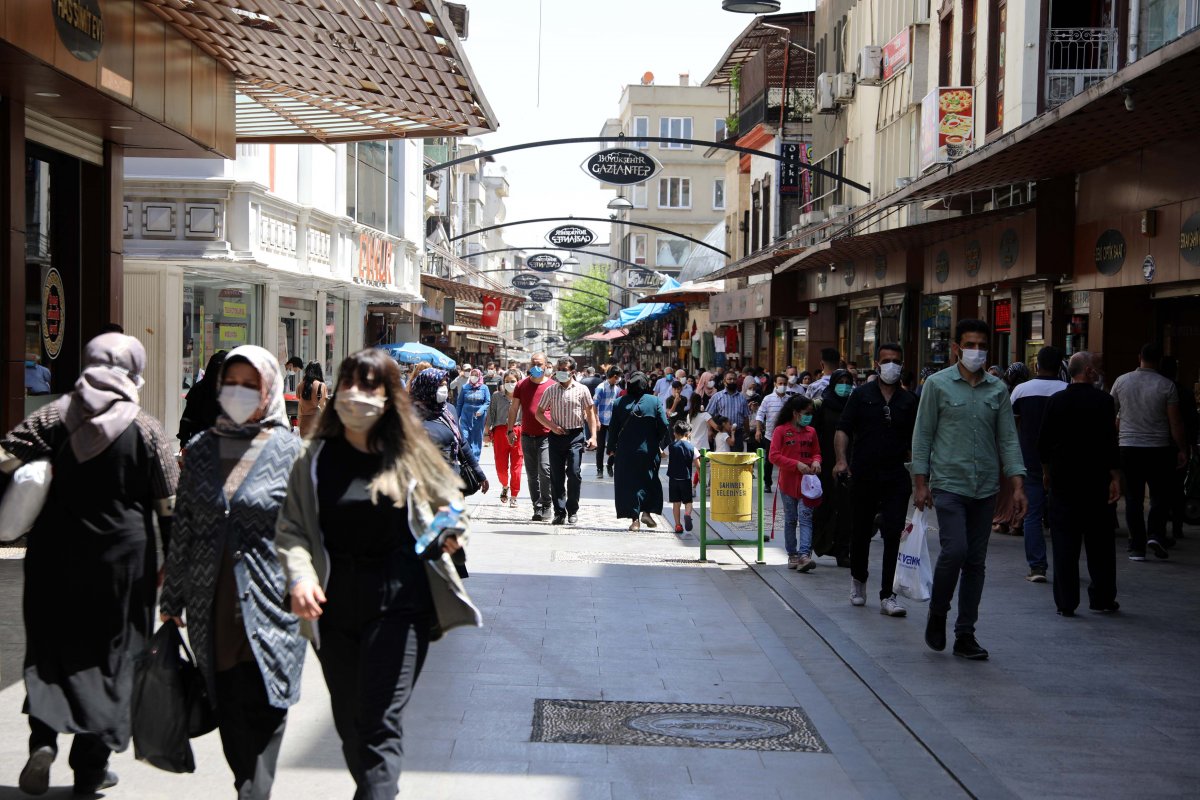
pixel 565 406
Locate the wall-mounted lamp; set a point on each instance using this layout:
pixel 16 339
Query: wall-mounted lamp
pixel 1129 91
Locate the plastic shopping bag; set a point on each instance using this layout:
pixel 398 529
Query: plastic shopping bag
pixel 170 703
pixel 914 573
pixel 23 499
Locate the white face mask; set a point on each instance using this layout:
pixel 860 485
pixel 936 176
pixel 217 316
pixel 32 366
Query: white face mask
pixel 443 393
pixel 239 402
pixel 791 379
pixel 562 377
pixel 359 410
pixel 974 360
pixel 712 384
pixel 509 387
pixel 749 393
pixel 781 390
pixel 890 373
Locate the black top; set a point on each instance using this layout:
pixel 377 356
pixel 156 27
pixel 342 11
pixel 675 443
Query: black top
pixel 881 432
pixel 591 382
pixel 680 456
pixel 1079 437
pixel 352 524
pixel 450 445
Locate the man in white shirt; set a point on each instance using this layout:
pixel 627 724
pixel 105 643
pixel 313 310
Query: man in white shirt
pixel 764 423
pixel 662 387
pixel 681 376
pixel 831 359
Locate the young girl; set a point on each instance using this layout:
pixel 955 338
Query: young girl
pixel 722 441
pixel 796 452
pixel 698 418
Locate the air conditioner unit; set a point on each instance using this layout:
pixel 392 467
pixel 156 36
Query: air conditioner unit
pixel 843 87
pixel 839 210
pixel 825 102
pixel 810 217
pixel 870 65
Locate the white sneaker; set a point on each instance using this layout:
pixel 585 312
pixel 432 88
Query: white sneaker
pixel 890 607
pixel 858 593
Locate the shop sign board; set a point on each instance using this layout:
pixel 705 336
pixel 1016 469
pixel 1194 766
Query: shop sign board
pixel 1189 240
pixel 570 236
pixel 374 264
pixel 541 296
pixel 531 334
pixel 1010 248
pixel 642 279
pixel 974 257
pixel 526 281
pixel 621 166
pixel 941 266
pixel 54 313
pixel 1003 316
pixel 1110 252
pixel 80 26
pixel 543 262
pixel 1148 268
pixel 947 124
pixel 895 54
pixel 531 307
pixel 234 310
pixel 791 169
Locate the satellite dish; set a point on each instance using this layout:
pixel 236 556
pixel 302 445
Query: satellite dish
pixel 648 79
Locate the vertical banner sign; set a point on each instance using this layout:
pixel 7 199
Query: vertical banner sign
pixel 790 169
pixel 491 311
pixel 947 124
pixel 806 189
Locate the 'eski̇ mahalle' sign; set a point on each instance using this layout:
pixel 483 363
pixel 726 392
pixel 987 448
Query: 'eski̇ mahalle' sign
pixel 543 262
pixel 620 166
pixel 570 236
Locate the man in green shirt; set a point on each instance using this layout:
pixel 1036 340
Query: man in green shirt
pixel 964 429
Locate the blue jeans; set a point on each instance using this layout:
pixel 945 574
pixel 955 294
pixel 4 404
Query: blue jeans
pixel 1035 538
pixel 964 525
pixel 796 515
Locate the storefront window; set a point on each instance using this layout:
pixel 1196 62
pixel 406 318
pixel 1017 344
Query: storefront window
pixel 864 336
pixel 335 335
pixel 935 330
pixel 799 350
pixel 297 329
pixel 217 315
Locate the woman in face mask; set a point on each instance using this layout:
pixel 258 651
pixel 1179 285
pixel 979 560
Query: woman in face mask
pixel 90 561
pixel 224 578
pixel 707 384
pixel 833 519
pixel 366 488
pixel 509 459
pixel 430 392
pixel 472 405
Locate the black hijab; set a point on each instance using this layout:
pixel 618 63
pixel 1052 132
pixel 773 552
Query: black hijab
pixel 637 385
pixel 201 408
pixel 829 398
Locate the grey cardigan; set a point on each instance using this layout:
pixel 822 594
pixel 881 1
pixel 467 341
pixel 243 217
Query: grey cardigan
pixel 497 414
pixel 302 551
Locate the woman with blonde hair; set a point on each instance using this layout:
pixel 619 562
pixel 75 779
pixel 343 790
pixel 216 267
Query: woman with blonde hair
pixel 366 488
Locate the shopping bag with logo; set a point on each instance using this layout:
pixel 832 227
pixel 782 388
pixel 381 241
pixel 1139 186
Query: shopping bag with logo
pixel 914 573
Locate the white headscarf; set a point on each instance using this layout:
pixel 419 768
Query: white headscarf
pixel 104 402
pixel 270 391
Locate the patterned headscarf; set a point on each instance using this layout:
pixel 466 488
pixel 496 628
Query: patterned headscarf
pixel 1017 373
pixel 105 400
pixel 423 390
pixel 274 412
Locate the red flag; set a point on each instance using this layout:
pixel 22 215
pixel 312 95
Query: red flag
pixel 491 311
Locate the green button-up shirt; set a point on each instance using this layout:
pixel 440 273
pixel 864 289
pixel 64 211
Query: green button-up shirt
pixel 963 433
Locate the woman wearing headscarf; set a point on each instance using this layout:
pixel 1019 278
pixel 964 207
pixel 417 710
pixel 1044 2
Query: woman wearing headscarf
pixel 833 519
pixel 637 436
pixel 90 563
pixel 200 408
pixel 429 392
pixel 1004 517
pixel 707 385
pixel 224 578
pixel 472 405
pixel 368 485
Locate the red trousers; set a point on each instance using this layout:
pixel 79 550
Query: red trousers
pixel 509 458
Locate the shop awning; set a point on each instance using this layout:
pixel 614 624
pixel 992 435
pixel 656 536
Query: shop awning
pixel 607 336
pixel 644 312
pixel 338 70
pixel 687 293
pixel 465 291
pixel 758 263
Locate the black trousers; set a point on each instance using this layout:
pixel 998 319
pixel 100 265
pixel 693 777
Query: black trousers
pixel 373 644
pixel 1153 467
pixel 885 494
pixel 601 441
pixel 251 730
pixel 768 467
pixel 566 463
pixel 88 754
pixel 1079 517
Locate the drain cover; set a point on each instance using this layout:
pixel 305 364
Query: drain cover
pixel 624 558
pixel 777 728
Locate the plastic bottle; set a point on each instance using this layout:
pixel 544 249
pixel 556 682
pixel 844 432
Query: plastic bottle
pixel 446 518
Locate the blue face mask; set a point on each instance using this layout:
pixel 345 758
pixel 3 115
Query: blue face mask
pixel 806 419
pixel 536 372
pixel 843 389
pixel 29 363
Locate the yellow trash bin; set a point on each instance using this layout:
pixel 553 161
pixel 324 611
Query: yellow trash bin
pixel 732 481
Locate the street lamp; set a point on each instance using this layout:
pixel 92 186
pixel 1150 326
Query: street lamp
pixel 751 6
pixel 571 261
pixel 619 203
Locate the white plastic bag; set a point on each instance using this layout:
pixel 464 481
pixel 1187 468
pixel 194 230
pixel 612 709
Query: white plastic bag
pixel 23 500
pixel 914 573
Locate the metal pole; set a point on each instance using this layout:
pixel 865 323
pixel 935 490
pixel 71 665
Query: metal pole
pixel 759 497
pixel 703 505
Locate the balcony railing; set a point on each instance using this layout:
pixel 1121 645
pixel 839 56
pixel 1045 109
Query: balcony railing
pixel 1076 58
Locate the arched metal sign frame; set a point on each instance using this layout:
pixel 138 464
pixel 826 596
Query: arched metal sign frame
pixel 607 220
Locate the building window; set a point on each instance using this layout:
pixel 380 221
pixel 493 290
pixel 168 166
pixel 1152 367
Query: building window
pixel 675 128
pixel 640 199
pixel 720 131
pixel 674 192
pixel 946 51
pixel 637 248
pixel 719 194
pixel 671 251
pixel 641 127
pixel 970 20
pixel 373 177
pixel 997 41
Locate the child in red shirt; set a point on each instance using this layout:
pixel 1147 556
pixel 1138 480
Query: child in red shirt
pixel 796 452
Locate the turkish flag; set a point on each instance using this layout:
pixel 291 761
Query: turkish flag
pixel 491 311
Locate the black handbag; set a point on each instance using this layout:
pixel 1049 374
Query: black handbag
pixel 170 703
pixel 471 484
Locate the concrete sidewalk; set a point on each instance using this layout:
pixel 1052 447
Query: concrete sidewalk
pixel 1097 707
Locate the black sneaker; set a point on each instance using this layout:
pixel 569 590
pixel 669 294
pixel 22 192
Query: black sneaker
pixel 935 632
pixel 1108 608
pixel 1137 555
pixel 599 473
pixel 94 781
pixel 539 515
pixel 966 647
pixel 1036 575
pixel 572 519
pixel 559 520
pixel 610 470
pixel 1062 612
pixel 1154 546
pixel 35 778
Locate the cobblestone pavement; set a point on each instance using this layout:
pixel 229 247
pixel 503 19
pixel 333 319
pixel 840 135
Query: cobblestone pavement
pixel 694 664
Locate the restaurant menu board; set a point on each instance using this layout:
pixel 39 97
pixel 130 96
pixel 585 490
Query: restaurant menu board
pixel 947 124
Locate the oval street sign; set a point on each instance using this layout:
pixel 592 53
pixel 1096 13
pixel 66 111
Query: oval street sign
pixel 531 334
pixel 570 236
pixel 526 281
pixel 541 296
pixel 621 166
pixel 531 307
pixel 544 262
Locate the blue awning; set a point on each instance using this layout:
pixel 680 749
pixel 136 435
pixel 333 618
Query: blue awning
pixel 644 312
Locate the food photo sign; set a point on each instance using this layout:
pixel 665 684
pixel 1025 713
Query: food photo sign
pixel 947 125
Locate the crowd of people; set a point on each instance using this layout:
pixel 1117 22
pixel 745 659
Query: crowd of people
pixel 347 527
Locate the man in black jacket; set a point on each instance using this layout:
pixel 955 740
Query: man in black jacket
pixel 1080 461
